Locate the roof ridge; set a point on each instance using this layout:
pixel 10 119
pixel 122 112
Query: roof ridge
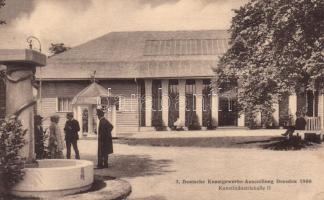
pixel 161 31
pixel 127 44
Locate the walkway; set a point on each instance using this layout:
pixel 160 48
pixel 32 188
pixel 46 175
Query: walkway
pixel 153 171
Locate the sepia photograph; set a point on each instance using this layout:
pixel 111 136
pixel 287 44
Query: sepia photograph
pixel 161 99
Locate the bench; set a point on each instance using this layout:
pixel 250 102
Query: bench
pixel 312 130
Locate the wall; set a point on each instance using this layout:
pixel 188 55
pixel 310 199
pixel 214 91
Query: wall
pixel 50 91
pixel 127 117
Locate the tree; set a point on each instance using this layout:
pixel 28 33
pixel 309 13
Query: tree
pixel 58 48
pixel 2 4
pixel 276 48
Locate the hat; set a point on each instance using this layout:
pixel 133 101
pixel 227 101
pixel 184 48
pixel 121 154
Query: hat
pixel 55 118
pixel 38 117
pixel 100 112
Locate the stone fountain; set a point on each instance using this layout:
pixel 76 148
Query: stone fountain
pixel 51 177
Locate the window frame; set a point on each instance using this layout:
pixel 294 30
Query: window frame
pixel 69 105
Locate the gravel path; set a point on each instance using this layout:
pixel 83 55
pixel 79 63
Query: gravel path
pixel 153 172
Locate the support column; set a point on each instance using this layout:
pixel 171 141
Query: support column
pixel 275 114
pixel 148 103
pixel 241 117
pixel 21 66
pixel 241 120
pixel 17 95
pixel 79 118
pixel 292 105
pixel 165 102
pixel 114 120
pixel 321 109
pixel 258 119
pixel 90 120
pixel 199 99
pixel 75 111
pixel 182 101
pixel 214 107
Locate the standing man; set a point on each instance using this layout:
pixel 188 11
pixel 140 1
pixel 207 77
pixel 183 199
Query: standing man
pixel 71 130
pixel 105 145
pixel 39 137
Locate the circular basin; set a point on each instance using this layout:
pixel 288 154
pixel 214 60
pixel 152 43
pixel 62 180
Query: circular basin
pixel 55 177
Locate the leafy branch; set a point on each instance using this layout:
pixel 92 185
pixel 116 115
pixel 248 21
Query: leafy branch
pixel 276 49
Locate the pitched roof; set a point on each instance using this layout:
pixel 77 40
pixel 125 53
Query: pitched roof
pixel 140 55
pixel 90 94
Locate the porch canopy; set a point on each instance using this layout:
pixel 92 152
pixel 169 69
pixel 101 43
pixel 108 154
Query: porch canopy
pixel 90 94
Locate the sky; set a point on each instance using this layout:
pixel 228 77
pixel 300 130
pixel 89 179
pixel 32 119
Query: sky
pixel 74 22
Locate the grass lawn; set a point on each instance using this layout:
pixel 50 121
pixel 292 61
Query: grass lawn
pixel 260 142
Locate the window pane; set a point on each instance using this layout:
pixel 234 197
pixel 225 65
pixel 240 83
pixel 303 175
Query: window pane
pixel 64 104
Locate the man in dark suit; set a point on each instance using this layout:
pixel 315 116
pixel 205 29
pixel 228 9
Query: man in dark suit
pixel 71 130
pixel 105 145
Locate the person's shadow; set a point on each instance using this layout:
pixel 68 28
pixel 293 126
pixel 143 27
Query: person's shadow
pixel 284 144
pixel 121 166
pixel 280 143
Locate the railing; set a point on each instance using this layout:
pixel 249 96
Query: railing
pixel 313 123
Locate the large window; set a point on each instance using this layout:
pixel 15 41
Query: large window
pixel 64 104
pixel 157 103
pixel 207 96
pixel 173 102
pixel 190 102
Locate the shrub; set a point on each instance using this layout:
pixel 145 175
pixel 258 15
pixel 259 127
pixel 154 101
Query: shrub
pixel 210 124
pixel 11 142
pixel 158 125
pixel 194 125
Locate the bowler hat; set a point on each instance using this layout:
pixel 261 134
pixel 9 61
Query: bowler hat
pixel 100 112
pixel 38 117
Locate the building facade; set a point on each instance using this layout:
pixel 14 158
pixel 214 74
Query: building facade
pixel 157 79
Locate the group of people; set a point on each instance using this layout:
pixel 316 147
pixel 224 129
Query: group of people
pixel 55 142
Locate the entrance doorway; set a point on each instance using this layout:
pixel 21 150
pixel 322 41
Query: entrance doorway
pixel 86 115
pixel 85 121
pixel 227 111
